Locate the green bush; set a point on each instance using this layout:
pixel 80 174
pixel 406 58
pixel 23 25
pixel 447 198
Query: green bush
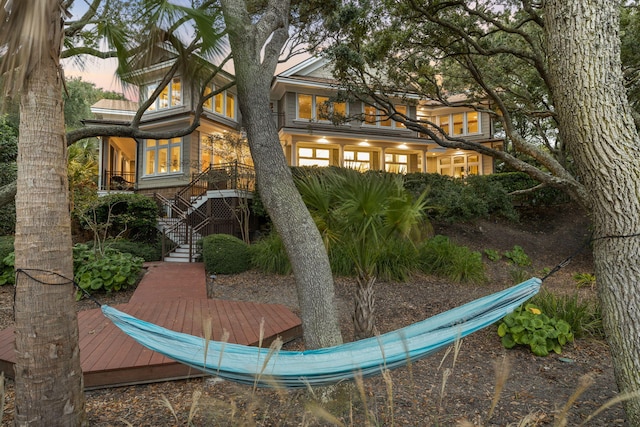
pixel 7 273
pixel 528 325
pixel 269 256
pixel 146 251
pixel 442 257
pixel 514 181
pixel 131 216
pixel 583 315
pixel 109 272
pixel 518 257
pixel 225 254
pixel 454 200
pixel 7 269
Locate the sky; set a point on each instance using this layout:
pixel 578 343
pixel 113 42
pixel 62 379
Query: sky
pixel 101 72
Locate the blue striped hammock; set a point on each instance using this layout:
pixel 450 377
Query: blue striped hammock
pixel 325 366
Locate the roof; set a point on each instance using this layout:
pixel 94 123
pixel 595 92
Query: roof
pixel 114 104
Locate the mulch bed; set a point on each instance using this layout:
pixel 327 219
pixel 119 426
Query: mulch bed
pixel 445 389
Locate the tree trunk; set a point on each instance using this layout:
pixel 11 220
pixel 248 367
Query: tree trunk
pixel 255 49
pixel 596 123
pixel 48 388
pixel 364 319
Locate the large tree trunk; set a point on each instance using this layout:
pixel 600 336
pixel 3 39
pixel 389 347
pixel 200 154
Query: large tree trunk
pixel 48 390
pixel 254 68
pixel 597 126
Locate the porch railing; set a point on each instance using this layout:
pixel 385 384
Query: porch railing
pixel 120 181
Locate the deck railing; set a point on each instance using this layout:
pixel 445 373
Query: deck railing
pixel 118 181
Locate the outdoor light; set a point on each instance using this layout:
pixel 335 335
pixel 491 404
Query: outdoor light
pixel 403 146
pixel 323 140
pixel 364 143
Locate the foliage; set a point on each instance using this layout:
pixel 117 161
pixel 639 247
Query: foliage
pixel 453 200
pixel 585 280
pixel 518 181
pixel 528 325
pixel 109 272
pixel 518 257
pixel 7 269
pixel 364 214
pixel 583 315
pixel 7 272
pixel 8 170
pixel 269 255
pixel 225 254
pixel 132 216
pixel 442 257
pixel 82 170
pixel 144 250
pixel 79 97
pixel 492 254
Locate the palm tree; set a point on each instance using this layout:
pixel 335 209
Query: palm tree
pixel 48 387
pixel 362 214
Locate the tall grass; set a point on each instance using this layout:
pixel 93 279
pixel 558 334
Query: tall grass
pixel 442 257
pixel 583 315
pixel 268 255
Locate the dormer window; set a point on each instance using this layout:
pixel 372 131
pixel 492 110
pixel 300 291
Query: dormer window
pixel 171 95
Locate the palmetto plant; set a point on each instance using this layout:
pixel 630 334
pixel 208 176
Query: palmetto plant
pixel 361 214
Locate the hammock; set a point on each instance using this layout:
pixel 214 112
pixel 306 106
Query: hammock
pixel 325 366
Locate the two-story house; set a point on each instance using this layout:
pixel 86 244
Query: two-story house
pixel 178 171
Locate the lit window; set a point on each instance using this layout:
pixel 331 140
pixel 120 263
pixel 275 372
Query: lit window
pixel 401 109
pixel 396 163
pixel 314 157
pixel 171 95
pixel 304 106
pixel 219 102
pixel 358 160
pixel 458 124
pixel 162 156
pixel 231 106
pixel 323 110
pixel 472 122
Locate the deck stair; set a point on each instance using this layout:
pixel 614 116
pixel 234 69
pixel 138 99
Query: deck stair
pixel 184 222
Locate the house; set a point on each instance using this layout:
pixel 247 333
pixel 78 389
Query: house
pixel 177 171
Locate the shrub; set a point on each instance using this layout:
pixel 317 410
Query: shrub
pixel 514 181
pixel 7 269
pixel 492 254
pixel 442 257
pixel 584 279
pixel 584 316
pixel 453 199
pixel 109 272
pixel 518 257
pixel 131 216
pixel 225 254
pixel 528 325
pixel 146 251
pixel 7 273
pixel 268 255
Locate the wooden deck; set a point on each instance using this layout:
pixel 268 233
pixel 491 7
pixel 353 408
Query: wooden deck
pixel 174 296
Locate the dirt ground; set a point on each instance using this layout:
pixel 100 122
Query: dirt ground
pixel 431 392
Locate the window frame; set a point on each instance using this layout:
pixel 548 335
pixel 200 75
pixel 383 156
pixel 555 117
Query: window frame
pixel 449 124
pixel 380 118
pixel 169 147
pixel 316 107
pixel 171 96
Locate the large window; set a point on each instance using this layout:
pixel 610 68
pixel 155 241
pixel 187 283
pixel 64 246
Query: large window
pixel 396 163
pixel 314 156
pixel 162 156
pixel 171 95
pixel 467 123
pixel 376 117
pixel 223 103
pixel 320 108
pixel 459 166
pixel 358 160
